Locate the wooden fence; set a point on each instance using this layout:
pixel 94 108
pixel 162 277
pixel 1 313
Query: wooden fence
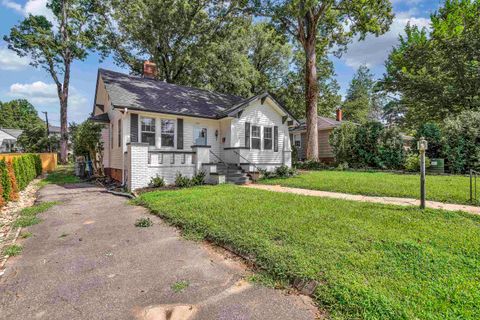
pixel 49 160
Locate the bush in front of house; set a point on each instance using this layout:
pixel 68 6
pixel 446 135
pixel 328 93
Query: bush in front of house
pixel 182 181
pixel 157 182
pixel 282 171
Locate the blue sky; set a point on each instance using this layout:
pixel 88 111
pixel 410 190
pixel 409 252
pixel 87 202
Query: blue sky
pixel 19 80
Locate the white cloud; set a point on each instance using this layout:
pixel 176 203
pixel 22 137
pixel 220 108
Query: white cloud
pixel 33 7
pixel 9 60
pixel 373 51
pixel 44 95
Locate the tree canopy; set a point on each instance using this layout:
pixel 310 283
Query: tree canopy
pixel 18 114
pixel 435 73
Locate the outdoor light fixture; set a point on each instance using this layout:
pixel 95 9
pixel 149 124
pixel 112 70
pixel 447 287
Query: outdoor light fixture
pixel 216 134
pixel 422 144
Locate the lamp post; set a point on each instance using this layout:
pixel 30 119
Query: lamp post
pixel 422 147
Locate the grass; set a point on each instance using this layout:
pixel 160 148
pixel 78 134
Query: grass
pixel 179 286
pixel 371 261
pixel 28 216
pixel 13 250
pixel 454 189
pixel 26 235
pixel 62 175
pixel 143 222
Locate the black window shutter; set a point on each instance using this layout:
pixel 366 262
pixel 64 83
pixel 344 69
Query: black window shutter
pixel 133 127
pixel 179 133
pixel 247 135
pixel 275 139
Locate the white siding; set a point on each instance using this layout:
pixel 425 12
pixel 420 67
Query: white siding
pixel 3 144
pixel 265 115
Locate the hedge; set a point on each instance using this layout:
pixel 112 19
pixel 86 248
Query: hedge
pixel 15 175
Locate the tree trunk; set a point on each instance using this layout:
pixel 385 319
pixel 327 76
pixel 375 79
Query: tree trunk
pixel 63 131
pixel 311 97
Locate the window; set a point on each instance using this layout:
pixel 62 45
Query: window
pixel 168 133
pixel 267 138
pixel 111 136
pixel 297 141
pixel 148 131
pixel 200 136
pixel 256 140
pixel 119 132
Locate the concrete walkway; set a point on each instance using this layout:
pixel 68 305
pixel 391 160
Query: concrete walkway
pixel 354 197
pixel 87 260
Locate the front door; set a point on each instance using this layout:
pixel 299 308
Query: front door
pixel 200 136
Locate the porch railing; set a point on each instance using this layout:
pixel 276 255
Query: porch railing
pixel 248 161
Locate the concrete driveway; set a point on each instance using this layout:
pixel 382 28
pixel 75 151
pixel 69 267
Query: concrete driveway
pixel 87 260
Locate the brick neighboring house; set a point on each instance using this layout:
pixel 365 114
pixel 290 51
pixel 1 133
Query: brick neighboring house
pixel 156 128
pixel 325 126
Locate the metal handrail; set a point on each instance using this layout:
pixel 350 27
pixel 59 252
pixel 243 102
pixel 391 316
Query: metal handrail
pixel 220 160
pixel 248 161
pixel 473 185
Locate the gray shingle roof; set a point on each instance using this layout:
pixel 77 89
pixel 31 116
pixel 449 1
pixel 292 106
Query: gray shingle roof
pixel 103 117
pixel 323 123
pixel 13 132
pixel 152 95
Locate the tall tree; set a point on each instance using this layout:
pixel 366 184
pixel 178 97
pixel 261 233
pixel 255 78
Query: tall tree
pixel 18 114
pixel 435 72
pixel 359 101
pixel 319 25
pixel 55 45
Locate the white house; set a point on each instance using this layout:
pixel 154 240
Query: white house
pixel 8 139
pixel 156 128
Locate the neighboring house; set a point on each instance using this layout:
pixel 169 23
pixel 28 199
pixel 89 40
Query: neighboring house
pixel 156 128
pixel 8 139
pixel 325 126
pixel 53 131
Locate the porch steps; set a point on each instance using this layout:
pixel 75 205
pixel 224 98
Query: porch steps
pixel 233 174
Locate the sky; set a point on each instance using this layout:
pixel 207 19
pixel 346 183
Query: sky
pixel 20 80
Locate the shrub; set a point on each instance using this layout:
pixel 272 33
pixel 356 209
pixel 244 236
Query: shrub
pixel 157 182
pixel 433 134
pixel 199 178
pixel 13 182
pixel 13 250
pixel 5 182
pixel 412 163
pixel 182 181
pixel 282 172
pixel 26 168
pixel 143 223
pixel 311 165
pixel 462 142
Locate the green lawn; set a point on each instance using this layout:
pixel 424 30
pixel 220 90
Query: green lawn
pixel 62 175
pixel 455 189
pixel 372 261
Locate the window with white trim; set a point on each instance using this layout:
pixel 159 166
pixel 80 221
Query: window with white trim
pixel 297 141
pixel 267 138
pixel 119 132
pixel 147 130
pixel 168 133
pixel 255 138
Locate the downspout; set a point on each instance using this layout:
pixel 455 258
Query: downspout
pixel 123 143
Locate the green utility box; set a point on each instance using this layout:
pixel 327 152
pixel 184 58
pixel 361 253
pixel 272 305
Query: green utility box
pixel 437 166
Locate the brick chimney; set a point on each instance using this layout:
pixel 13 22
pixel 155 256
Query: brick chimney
pixel 339 115
pixel 149 70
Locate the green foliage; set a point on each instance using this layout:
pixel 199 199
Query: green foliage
pixel 87 141
pixel 462 141
pixel 435 71
pixel 412 162
pixel 182 181
pixel 26 168
pixel 19 114
pixel 199 178
pixel 311 165
pixel 366 257
pixel 13 250
pixel 34 139
pixel 433 134
pixel 143 223
pixel 28 216
pixel 179 286
pixel 368 145
pixel 157 182
pixel 5 181
pixel 26 235
pixel 360 103
pixel 63 175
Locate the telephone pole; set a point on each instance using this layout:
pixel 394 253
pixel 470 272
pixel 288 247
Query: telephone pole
pixel 48 130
